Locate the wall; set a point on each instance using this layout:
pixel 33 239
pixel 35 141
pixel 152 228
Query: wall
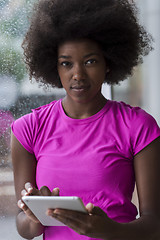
pixel 150 13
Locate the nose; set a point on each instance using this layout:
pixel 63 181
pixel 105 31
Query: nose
pixel 79 73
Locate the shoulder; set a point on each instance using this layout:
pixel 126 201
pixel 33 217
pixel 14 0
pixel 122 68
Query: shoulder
pixel 130 112
pixel 136 124
pixel 122 108
pixel 135 117
pixel 36 115
pixel 27 127
pixel 44 110
pixel 32 120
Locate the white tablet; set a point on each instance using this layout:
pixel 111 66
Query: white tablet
pixel 39 205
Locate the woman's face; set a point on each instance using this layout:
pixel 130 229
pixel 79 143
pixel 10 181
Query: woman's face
pixel 82 69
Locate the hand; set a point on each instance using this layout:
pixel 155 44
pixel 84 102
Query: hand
pixel 29 191
pixel 95 223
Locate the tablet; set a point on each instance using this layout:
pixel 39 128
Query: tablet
pixel 39 205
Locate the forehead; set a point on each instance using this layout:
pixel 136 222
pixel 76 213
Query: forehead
pixel 83 46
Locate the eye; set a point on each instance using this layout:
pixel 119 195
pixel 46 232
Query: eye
pixel 90 61
pixel 66 64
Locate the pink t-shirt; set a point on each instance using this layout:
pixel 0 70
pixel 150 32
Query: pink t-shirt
pixel 91 158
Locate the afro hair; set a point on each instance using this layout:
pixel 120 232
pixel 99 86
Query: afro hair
pixel 113 24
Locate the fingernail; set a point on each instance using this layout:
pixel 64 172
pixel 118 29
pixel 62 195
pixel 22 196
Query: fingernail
pixel 89 205
pixel 56 211
pixel 28 185
pixel 56 190
pixel 49 212
pixel 30 189
pixel 23 192
pixel 20 204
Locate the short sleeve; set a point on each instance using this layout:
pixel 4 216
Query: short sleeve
pixel 144 129
pixel 24 129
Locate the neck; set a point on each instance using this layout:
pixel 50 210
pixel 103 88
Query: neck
pixel 80 110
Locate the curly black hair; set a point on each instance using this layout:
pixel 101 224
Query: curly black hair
pixel 113 24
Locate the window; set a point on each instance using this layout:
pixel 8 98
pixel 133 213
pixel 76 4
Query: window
pixel 17 97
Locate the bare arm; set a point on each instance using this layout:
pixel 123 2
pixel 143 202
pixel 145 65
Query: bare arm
pixel 24 166
pixel 147 174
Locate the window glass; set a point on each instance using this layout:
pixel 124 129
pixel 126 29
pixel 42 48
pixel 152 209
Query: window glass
pixel 17 97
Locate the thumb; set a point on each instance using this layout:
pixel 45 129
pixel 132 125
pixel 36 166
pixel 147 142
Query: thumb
pixel 95 210
pixel 89 207
pixel 55 192
pixel 45 191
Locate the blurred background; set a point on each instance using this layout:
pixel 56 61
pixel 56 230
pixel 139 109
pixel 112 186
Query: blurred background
pixel 18 95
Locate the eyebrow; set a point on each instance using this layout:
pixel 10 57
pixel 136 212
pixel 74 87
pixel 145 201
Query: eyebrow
pixel 63 56
pixel 86 56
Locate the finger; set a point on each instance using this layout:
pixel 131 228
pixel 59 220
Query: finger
pixel 74 215
pixel 22 205
pixel 24 193
pixel 30 214
pixel 89 207
pixel 45 191
pixel 27 211
pixel 71 223
pixel 55 192
pixel 30 189
pixel 97 211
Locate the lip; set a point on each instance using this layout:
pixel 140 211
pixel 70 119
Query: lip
pixel 80 88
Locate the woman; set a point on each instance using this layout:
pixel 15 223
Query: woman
pixel 85 145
